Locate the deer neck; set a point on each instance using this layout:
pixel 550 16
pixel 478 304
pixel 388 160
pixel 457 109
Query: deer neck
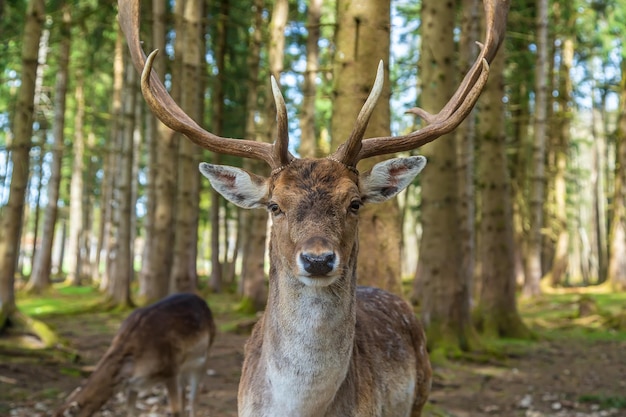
pixel 308 340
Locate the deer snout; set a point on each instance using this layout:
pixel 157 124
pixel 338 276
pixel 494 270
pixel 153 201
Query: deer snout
pixel 317 257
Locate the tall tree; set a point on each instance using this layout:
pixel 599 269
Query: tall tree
pixel 42 264
pixel 252 284
pixel 218 127
pixel 533 269
pixel 308 139
pixel 362 39
pixel 107 238
pixel 77 188
pixel 560 144
pixel 445 298
pixel 465 142
pixel 156 273
pixel 11 222
pixel 617 259
pixel 496 313
pixel 183 277
pixel 122 270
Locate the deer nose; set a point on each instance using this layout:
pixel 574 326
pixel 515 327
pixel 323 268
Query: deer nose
pixel 318 263
pixel 317 256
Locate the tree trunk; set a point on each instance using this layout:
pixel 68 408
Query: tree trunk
pixel 308 138
pixel 183 278
pixel 465 142
pixel 76 187
pixel 617 259
pixel 496 314
pixel 11 221
pixel 253 288
pixel 109 169
pixel 536 198
pixel 156 273
pixel 560 149
pixel 218 127
pixel 122 266
pixel 362 40
pixel 42 264
pixel 446 294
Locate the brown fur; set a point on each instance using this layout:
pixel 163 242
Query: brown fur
pixel 161 343
pixel 336 350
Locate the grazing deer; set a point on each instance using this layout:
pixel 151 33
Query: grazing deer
pixel 167 342
pixel 324 346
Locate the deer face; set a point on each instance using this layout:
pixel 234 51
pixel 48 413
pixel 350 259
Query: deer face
pixel 314 205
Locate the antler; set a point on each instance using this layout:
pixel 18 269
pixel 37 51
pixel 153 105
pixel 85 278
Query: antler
pixel 452 114
pixel 166 109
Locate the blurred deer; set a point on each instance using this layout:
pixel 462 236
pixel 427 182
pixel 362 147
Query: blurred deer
pixel 167 342
pixel 324 347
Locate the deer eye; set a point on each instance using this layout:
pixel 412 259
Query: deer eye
pixel 274 209
pixel 355 205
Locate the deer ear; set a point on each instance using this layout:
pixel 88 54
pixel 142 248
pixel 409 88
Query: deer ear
pixel 388 178
pixel 237 185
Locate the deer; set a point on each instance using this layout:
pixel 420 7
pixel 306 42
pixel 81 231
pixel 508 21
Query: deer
pixel 324 346
pixel 167 342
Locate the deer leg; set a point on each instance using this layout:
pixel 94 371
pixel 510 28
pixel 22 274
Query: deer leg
pixel 174 392
pixel 131 400
pixel 195 383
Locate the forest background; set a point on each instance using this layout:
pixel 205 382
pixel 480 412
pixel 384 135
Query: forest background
pixel 526 197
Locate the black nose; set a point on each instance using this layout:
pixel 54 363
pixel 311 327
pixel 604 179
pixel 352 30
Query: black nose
pixel 318 264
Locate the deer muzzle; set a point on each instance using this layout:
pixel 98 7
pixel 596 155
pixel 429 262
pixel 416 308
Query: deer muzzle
pixel 317 258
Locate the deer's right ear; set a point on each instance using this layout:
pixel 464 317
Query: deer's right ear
pixel 237 185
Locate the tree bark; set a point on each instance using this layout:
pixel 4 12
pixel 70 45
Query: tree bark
pixel 218 127
pixel 122 265
pixel 496 314
pixel 617 259
pixel 362 40
pixel 533 270
pixel 183 278
pixel 75 273
pixel 308 138
pixel 155 277
pixel 107 212
pixel 11 221
pixel 42 264
pixel 253 288
pixel 560 149
pixel 445 299
pixel 465 136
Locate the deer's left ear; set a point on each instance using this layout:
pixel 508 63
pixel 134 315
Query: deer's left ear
pixel 388 178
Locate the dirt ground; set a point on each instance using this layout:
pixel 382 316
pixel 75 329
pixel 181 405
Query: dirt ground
pixel 568 378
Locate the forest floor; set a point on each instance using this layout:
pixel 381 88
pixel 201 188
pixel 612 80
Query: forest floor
pixel 567 374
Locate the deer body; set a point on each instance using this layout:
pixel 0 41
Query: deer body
pixel 167 342
pixel 325 347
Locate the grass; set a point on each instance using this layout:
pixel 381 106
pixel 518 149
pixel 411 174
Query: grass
pixel 552 315
pixel 61 300
pixel 557 316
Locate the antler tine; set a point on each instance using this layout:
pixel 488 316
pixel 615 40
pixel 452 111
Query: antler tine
pixel 281 150
pixel 462 101
pixel 348 152
pixel 167 110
